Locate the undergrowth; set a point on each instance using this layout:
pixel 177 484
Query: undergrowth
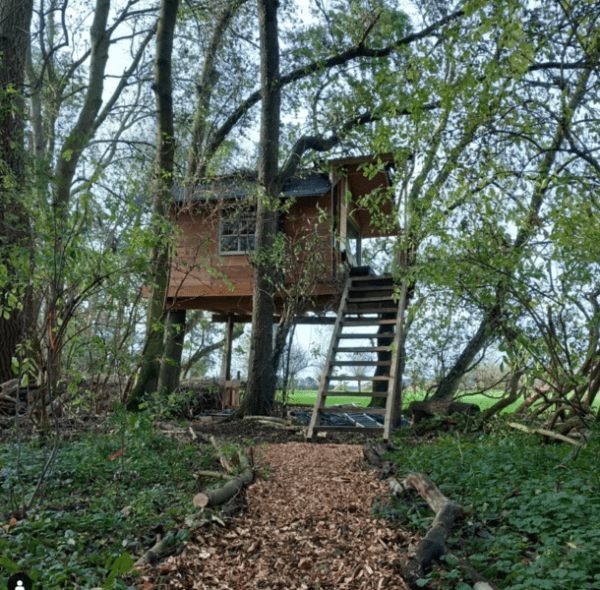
pixel 532 510
pixel 97 512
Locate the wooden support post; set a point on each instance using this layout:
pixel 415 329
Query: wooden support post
pixel 226 367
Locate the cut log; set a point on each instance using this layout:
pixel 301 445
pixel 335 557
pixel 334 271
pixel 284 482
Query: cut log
pixel 423 410
pixel 230 489
pixel 224 493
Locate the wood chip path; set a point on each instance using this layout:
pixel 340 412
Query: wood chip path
pixel 307 525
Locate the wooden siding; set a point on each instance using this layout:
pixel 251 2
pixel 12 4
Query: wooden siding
pixel 201 278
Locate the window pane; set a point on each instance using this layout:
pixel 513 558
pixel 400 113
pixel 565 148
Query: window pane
pixel 229 244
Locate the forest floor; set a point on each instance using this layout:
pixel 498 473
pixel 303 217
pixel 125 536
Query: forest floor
pixel 307 524
pixel 314 518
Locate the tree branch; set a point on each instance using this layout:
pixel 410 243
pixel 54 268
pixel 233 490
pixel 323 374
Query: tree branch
pixel 302 72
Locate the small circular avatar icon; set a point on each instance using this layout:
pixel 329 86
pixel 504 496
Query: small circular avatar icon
pixel 19 581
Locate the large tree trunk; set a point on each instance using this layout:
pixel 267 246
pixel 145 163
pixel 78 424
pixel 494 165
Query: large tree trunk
pixel 260 393
pixel 15 233
pixel 147 378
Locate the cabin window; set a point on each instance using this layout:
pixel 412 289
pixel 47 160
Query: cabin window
pixel 236 231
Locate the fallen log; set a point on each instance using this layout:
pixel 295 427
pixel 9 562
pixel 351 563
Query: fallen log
pixel 214 474
pixel 433 546
pixel 153 555
pixel 374 452
pixel 424 410
pixel 225 492
pixel 267 419
pixel 228 490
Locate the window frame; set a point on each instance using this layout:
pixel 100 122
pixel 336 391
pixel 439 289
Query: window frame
pixel 240 218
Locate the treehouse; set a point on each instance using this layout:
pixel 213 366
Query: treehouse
pixel 324 217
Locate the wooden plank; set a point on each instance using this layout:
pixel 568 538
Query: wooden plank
pixel 369 322
pixel 351 410
pixel 376 336
pixel 361 364
pixel 373 310
pixel 381 298
pixel 368 288
pixel 371 279
pixel 363 349
pixel 354 394
pixel 365 430
pixel 394 400
pixel 353 378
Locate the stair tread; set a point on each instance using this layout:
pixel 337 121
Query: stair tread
pixel 368 287
pixel 376 336
pixel 371 279
pixel 352 410
pixel 354 394
pixel 381 298
pixel 378 310
pixel 367 322
pixel 354 378
pixel 374 429
pixel 361 349
pixel 361 363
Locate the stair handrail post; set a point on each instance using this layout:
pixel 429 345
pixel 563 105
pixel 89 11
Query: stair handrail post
pixel 394 400
pixel 324 380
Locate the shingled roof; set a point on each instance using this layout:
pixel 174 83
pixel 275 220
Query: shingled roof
pixel 306 183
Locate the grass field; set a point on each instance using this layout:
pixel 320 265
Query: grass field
pixel 306 396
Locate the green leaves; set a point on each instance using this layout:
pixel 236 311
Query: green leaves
pixel 539 521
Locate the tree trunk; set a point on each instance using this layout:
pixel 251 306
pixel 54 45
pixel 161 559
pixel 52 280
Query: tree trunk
pixel 448 386
pixel 168 379
pixel 15 232
pixel 260 393
pixel 148 375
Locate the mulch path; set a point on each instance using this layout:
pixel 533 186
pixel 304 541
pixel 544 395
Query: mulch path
pixel 307 525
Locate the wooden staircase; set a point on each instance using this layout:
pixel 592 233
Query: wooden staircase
pixel 368 304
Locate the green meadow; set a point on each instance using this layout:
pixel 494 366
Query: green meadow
pixel 484 401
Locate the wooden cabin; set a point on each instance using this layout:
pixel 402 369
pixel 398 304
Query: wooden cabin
pixel 321 211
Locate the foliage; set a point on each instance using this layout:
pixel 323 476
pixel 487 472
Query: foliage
pixel 531 508
pixel 97 509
